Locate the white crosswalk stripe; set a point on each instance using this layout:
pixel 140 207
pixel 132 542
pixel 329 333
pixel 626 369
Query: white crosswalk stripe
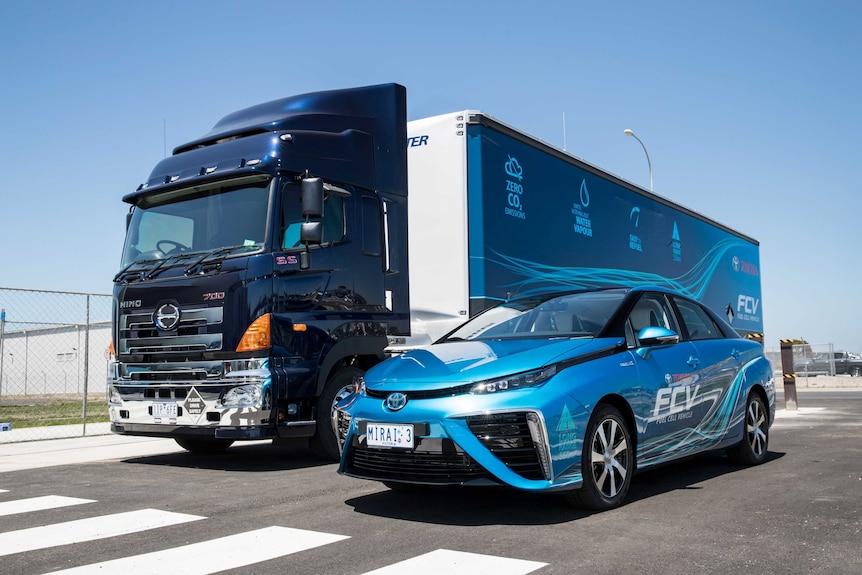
pixel 459 563
pixel 39 504
pixel 89 529
pixel 215 555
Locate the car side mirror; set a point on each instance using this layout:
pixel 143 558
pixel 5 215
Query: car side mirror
pixel 654 336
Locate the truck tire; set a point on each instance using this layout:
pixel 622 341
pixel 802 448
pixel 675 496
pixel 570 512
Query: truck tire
pixel 203 446
pixel 607 461
pixel 325 442
pixel 755 435
pixel 856 371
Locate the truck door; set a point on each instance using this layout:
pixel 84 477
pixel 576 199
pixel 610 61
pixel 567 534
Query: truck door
pixel 328 283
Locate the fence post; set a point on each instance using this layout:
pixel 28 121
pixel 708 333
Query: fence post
pixel 790 402
pixel 2 355
pixel 86 367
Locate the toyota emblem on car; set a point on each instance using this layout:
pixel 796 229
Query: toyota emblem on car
pixel 396 401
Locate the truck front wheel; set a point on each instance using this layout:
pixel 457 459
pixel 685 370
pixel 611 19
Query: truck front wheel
pixel 325 442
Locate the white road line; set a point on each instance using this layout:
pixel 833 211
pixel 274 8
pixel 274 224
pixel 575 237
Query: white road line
pixel 39 504
pixel 215 555
pixel 4 491
pixel 459 563
pixel 88 529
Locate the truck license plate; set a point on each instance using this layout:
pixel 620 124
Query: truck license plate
pixel 390 435
pixel 165 409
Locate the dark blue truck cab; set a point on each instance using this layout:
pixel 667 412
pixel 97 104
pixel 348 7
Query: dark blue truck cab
pixel 264 267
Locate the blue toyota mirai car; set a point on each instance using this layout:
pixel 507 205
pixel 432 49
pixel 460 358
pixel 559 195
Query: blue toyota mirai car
pixel 565 392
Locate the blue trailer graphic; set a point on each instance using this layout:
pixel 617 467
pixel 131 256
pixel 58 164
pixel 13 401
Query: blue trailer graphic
pixel 541 220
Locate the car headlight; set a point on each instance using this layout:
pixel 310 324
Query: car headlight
pixel 517 381
pixel 242 396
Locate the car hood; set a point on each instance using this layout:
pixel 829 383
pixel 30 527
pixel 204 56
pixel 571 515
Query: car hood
pixel 460 362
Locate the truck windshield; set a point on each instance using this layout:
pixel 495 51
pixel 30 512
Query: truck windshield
pixel 202 219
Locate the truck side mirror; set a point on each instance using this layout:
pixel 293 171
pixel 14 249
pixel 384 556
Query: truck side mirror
pixel 311 233
pixel 312 198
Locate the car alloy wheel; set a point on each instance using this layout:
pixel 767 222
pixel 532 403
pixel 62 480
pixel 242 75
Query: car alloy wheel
pixel 607 461
pixel 753 448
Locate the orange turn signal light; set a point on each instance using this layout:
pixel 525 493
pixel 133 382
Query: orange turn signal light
pixel 257 336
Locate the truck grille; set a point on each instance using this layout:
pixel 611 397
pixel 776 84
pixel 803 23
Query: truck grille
pixel 138 333
pixel 507 436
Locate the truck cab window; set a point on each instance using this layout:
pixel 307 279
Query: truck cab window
pixel 292 220
pixel 158 230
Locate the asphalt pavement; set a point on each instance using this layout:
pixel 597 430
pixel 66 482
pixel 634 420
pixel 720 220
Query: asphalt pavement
pixel 142 505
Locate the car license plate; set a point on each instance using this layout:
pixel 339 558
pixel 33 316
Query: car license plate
pixel 165 409
pixel 390 435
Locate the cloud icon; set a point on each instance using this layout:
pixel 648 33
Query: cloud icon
pixel 514 169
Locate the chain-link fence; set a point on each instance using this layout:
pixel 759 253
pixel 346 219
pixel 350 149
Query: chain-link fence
pixel 53 364
pixel 818 365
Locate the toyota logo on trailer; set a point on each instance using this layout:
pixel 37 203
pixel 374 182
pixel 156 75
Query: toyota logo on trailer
pixel 166 317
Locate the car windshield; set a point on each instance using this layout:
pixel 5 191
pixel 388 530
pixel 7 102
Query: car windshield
pixel 203 219
pixel 580 314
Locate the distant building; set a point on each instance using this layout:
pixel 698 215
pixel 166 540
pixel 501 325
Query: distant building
pixel 49 361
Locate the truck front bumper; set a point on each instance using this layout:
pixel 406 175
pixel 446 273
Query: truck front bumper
pixel 160 400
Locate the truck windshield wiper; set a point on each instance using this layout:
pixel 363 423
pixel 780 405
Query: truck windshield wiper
pixel 214 255
pixel 124 274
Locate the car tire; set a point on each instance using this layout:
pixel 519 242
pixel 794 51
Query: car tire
pixel 856 371
pixel 607 461
pixel 752 450
pixel 325 442
pixel 203 446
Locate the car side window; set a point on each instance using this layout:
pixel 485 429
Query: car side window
pixel 697 321
pixel 651 310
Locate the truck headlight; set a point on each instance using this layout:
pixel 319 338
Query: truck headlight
pixel 243 396
pixel 516 381
pixel 359 385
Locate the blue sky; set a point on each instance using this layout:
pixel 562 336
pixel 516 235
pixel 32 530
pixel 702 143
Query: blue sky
pixel 749 110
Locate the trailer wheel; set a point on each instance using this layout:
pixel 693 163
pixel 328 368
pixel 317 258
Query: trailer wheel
pixel 203 446
pixel 325 442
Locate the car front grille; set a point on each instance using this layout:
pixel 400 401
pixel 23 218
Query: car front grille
pixel 507 436
pixel 435 461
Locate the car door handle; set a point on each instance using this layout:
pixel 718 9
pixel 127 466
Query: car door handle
pixel 693 362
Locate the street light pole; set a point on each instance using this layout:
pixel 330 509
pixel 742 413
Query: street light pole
pixel 628 132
